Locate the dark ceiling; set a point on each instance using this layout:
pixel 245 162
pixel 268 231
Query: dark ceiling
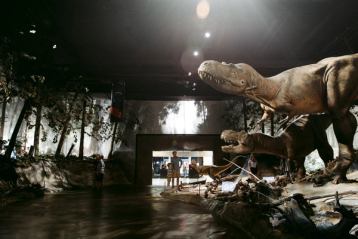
pixel 149 44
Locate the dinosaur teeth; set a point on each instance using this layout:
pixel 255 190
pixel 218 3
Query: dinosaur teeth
pixel 206 75
pixel 231 142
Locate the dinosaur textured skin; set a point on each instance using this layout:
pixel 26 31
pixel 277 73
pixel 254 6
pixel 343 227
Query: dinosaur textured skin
pixel 212 170
pixel 296 141
pixel 328 86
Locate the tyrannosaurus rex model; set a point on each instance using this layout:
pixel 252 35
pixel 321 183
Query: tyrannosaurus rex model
pixel 330 85
pixel 297 140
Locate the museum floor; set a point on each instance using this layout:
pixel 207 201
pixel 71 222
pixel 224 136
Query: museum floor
pixel 114 213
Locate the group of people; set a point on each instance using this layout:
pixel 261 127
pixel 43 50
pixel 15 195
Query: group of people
pixel 172 172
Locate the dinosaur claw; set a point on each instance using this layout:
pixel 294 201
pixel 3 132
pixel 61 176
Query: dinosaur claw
pixel 340 179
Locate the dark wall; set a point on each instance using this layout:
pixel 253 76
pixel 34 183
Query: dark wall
pixel 157 142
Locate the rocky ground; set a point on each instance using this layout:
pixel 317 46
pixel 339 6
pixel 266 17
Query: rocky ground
pixel 30 178
pixel 324 220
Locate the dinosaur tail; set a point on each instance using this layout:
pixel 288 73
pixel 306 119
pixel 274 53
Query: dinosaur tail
pixel 221 169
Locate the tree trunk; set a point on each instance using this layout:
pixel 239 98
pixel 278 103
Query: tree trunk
pixel 113 139
pixel 16 129
pixel 82 138
pixel 244 110
pixel 70 151
pixel 37 129
pixel 2 121
pixel 24 136
pixel 64 129
pixel 272 125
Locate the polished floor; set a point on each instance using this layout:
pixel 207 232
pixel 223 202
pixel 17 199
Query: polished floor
pixel 163 181
pixel 115 213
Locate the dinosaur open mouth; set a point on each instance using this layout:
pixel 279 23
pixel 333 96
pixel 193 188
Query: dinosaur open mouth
pixel 209 77
pixel 231 143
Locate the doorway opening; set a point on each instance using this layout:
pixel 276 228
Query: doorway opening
pixel 160 160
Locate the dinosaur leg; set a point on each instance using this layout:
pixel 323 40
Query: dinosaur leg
pixel 344 129
pixel 321 143
pixel 342 91
pixel 324 149
pixel 289 170
pixel 301 171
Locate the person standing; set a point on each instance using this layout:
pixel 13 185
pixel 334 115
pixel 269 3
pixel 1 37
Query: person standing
pixel 176 165
pixel 169 174
pixel 185 170
pixel 192 171
pixel 100 166
pixel 163 171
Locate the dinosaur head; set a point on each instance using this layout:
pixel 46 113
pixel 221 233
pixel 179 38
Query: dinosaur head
pixel 239 142
pixel 227 78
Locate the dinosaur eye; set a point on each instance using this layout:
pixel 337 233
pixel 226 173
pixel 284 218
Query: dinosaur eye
pixel 242 82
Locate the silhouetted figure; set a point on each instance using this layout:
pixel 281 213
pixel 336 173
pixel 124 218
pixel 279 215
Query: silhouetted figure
pixel 192 171
pixel 176 165
pixel 170 174
pixel 185 170
pixel 163 171
pixel 100 166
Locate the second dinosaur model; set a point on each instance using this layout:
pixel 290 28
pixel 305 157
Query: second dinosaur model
pixel 297 140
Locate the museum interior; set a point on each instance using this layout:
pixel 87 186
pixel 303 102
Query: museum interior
pixel 179 119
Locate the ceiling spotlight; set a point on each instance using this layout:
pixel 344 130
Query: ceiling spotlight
pixel 195 53
pixel 203 9
pixel 54 46
pixel 207 35
pixel 32 31
pixel 189 73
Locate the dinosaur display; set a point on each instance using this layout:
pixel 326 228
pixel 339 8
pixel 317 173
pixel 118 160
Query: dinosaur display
pixel 330 85
pixel 212 170
pixel 296 141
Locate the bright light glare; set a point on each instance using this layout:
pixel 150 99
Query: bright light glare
pixel 196 53
pixel 33 31
pixel 186 120
pixel 203 9
pixel 207 35
pixel 189 73
pixel 54 46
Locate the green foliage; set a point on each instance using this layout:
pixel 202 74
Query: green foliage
pixel 6 70
pixel 234 114
pixel 100 129
pixel 27 70
pixel 168 108
pixel 66 105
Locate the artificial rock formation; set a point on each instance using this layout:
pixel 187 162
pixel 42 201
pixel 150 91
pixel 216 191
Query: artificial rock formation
pixel 330 85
